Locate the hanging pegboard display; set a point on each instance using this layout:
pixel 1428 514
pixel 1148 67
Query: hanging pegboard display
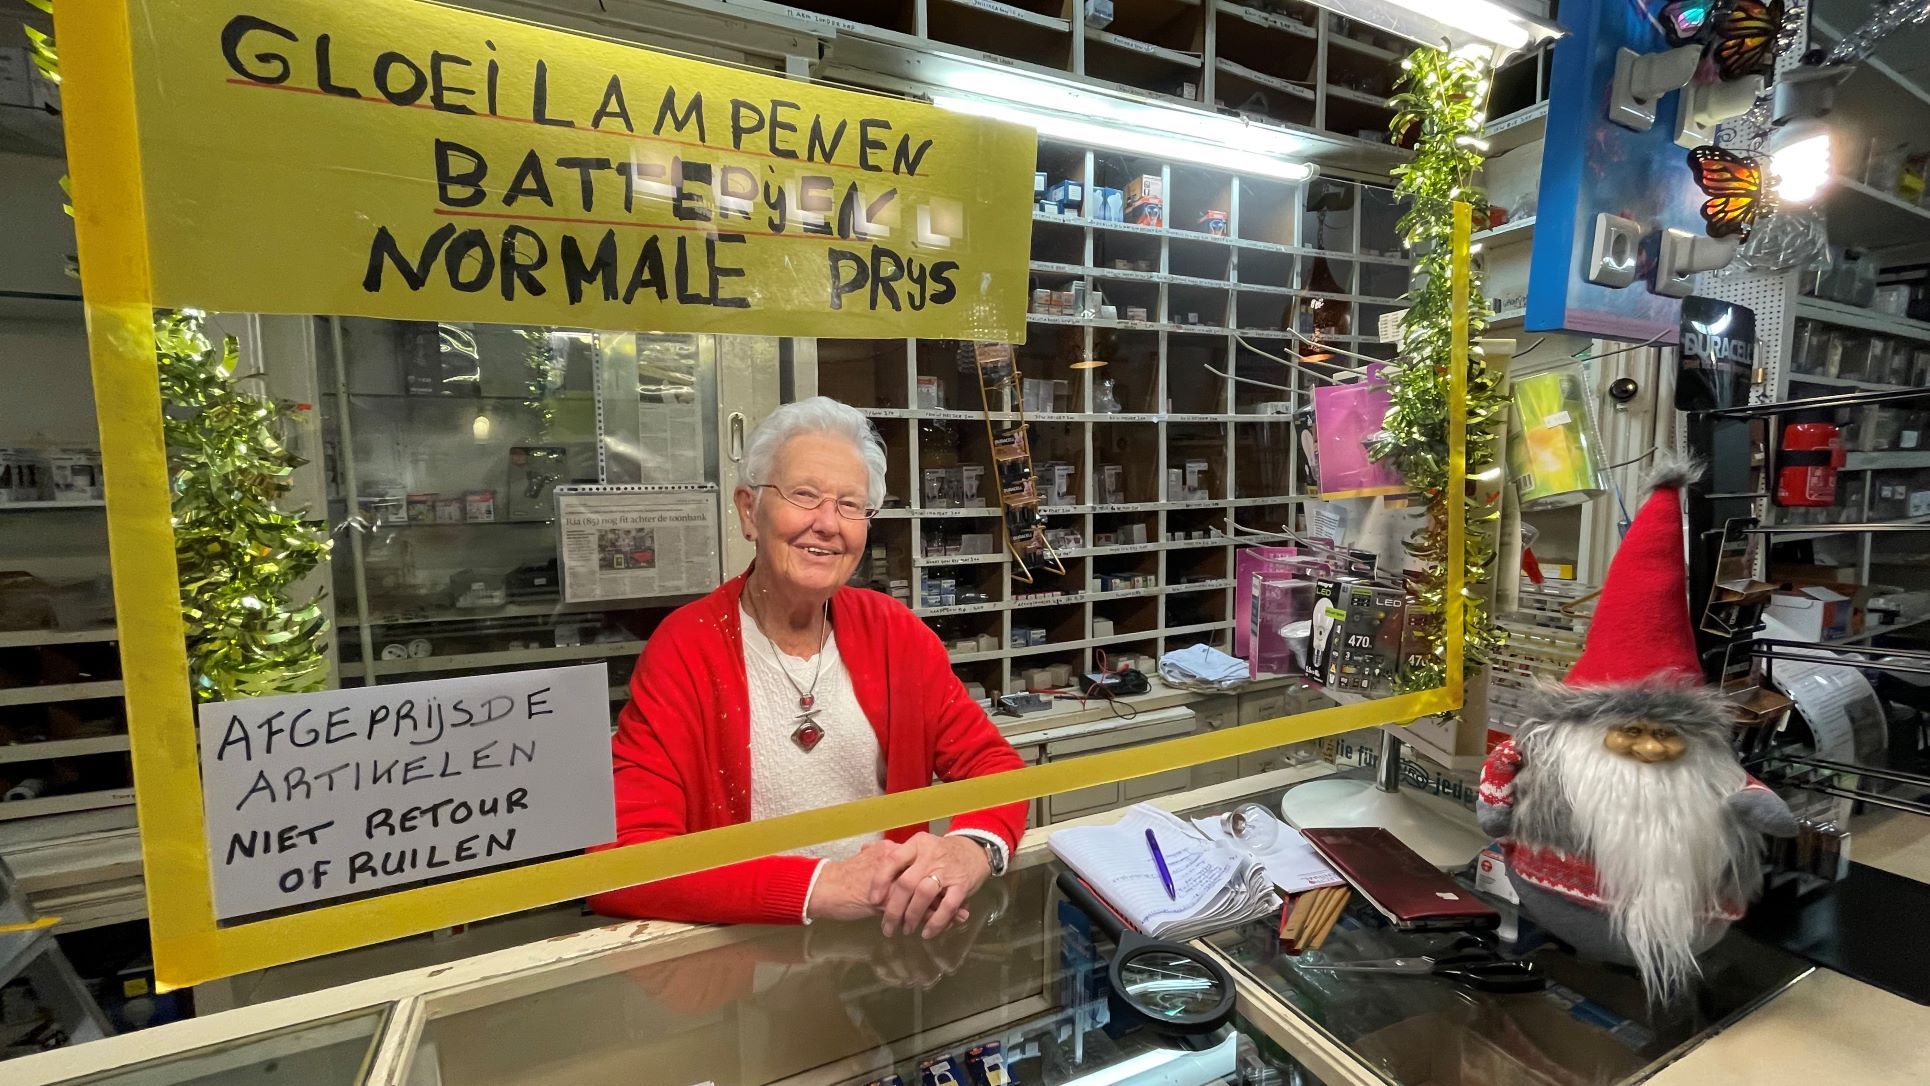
pixel 1771 295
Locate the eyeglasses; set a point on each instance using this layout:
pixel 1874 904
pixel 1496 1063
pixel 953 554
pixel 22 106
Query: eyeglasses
pixel 805 497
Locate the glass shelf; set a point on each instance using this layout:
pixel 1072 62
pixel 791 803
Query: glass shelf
pixel 444 445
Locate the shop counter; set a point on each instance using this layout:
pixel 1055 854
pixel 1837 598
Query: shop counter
pixel 838 1005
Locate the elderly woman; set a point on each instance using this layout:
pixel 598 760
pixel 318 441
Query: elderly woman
pixel 787 690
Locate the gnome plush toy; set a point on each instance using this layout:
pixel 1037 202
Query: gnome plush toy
pixel 1631 830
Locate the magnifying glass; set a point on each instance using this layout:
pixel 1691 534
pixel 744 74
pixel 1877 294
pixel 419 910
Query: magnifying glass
pixel 1167 987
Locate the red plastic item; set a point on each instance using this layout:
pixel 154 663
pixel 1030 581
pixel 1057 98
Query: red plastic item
pixel 1812 453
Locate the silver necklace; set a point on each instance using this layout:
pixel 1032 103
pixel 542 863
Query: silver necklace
pixel 808 733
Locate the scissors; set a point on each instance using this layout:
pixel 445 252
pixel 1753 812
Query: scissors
pixel 1467 961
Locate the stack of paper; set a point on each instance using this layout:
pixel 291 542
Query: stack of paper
pixel 1216 885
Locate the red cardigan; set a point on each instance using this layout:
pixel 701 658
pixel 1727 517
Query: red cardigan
pixel 682 748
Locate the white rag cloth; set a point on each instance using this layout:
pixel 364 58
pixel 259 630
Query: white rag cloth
pixel 1202 665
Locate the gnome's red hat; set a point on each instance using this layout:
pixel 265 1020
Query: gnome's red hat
pixel 1641 631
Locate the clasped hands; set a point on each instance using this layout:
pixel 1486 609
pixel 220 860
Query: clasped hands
pixel 920 885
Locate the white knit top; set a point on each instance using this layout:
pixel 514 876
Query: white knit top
pixel 847 763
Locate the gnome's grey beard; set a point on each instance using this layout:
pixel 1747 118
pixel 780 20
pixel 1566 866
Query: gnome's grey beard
pixel 1666 851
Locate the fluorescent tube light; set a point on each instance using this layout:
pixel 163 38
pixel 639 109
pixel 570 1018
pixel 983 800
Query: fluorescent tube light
pixel 1497 26
pixel 1118 137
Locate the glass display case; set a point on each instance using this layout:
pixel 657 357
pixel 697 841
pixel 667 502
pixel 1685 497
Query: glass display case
pixel 839 1005
pixel 446 450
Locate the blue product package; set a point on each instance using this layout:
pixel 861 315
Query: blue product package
pixel 1069 195
pixel 1106 204
pixel 986 1063
pixel 940 1071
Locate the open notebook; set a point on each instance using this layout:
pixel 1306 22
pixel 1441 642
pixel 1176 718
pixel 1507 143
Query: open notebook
pixel 1217 885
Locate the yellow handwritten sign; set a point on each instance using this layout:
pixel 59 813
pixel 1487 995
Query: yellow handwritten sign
pixel 411 161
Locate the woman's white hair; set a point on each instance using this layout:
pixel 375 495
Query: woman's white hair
pixel 817 415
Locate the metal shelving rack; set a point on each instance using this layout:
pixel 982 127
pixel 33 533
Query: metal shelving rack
pixel 33 696
pixel 1244 286
pixel 1290 63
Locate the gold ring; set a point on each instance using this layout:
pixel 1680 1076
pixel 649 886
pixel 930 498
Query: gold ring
pixel 934 877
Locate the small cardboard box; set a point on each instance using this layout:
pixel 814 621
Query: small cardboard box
pixel 1195 479
pixel 21 472
pixel 1328 614
pixel 1105 204
pixel 972 481
pixel 1061 488
pixel 931 394
pixel 1814 612
pixel 1144 187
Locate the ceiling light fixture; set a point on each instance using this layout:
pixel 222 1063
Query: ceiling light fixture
pixel 1132 139
pixel 1500 30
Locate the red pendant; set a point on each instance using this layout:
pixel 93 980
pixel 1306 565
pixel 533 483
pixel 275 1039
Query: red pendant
pixel 807 736
pixel 805 701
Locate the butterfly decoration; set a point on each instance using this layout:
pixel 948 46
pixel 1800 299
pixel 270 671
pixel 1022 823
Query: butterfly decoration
pixel 1748 34
pixel 1733 184
pixel 1683 21
pixel 1741 37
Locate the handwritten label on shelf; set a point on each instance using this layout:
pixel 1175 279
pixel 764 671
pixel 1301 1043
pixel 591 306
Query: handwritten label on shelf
pixel 1048 601
pixel 957 609
pixel 1132 45
pixel 1200 586
pixel 310 797
pixel 961 559
pixel 1006 10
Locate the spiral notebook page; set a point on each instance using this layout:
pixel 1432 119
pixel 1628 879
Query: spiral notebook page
pixel 1214 884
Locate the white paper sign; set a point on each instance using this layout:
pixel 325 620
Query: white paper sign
pixel 317 796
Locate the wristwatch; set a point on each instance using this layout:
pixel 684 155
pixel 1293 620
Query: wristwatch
pixel 994 855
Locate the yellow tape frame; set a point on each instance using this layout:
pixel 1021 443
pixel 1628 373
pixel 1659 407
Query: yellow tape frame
pixel 189 945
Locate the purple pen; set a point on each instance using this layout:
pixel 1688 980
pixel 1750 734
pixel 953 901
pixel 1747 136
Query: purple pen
pixel 1159 859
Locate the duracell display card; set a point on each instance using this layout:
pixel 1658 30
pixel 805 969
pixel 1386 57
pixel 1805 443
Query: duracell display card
pixel 1718 352
pixel 1401 885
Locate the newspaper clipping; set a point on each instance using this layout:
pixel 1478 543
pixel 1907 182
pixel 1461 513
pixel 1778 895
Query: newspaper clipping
pixel 633 544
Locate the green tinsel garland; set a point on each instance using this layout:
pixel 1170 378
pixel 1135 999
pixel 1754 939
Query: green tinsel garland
pixel 239 557
pixel 1444 97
